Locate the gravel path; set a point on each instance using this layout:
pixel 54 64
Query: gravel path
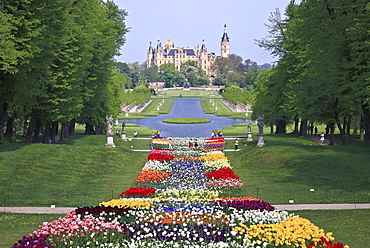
pixel 291 207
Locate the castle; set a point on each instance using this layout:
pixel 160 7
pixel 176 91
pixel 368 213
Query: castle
pixel 169 54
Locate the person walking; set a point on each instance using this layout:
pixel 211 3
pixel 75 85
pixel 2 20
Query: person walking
pixel 135 134
pixel 322 138
pixel 236 143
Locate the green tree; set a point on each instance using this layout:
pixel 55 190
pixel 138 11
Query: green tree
pixel 270 101
pixel 150 74
pixel 17 27
pixel 219 80
pixel 170 75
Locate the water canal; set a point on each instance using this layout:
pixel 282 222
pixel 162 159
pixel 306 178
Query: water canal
pixel 186 108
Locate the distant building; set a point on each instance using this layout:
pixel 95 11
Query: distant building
pixel 169 54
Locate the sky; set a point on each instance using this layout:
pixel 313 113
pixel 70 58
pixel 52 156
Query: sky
pixel 188 22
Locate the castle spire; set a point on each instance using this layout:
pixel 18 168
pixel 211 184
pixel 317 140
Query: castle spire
pixel 225 44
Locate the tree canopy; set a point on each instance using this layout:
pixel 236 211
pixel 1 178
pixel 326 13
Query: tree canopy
pixel 57 56
pixel 322 72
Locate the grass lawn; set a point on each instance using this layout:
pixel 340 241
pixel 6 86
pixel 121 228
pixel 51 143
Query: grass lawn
pixel 186 120
pixel 188 93
pixel 151 109
pixel 14 226
pixel 289 167
pixel 78 171
pixel 350 227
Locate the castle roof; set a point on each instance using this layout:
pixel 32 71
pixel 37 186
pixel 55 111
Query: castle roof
pixel 225 37
pixel 188 51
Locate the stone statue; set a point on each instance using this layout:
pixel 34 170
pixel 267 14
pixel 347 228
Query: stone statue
pixel 249 127
pixel 123 126
pixel 260 124
pixel 110 125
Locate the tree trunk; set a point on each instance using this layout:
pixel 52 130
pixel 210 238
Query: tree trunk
pixel 3 114
pixel 296 124
pixel 63 131
pixel 341 130
pixel 303 128
pixel 89 129
pixel 362 130
pixel 327 129
pixel 271 129
pixel 366 113
pixel 331 127
pixel 54 131
pixel 14 127
pixel 345 124
pixel 355 127
pixel 9 126
pixel 72 127
pixel 46 139
pixel 67 130
pixel 348 131
pixel 31 127
pixel 281 127
pixel 37 131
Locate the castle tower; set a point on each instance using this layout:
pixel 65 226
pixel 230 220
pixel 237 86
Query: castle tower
pixel 150 56
pixel 225 44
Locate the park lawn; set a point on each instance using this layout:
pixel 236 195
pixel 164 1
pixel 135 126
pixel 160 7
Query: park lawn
pixel 14 226
pixel 201 93
pixel 290 167
pixel 78 171
pixel 350 227
pixel 186 120
pixel 209 107
pixel 151 109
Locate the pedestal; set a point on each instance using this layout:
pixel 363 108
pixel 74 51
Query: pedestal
pixel 126 115
pixel 261 141
pixel 110 142
pixel 249 138
pixel 123 137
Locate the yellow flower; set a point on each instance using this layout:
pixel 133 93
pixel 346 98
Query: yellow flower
pixel 128 203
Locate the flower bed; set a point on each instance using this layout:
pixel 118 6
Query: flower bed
pixel 177 202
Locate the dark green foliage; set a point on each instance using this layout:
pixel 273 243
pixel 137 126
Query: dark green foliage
pixel 322 69
pixel 235 94
pixel 138 95
pixel 57 58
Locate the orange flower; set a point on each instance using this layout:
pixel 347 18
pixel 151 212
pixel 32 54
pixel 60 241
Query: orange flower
pixel 150 175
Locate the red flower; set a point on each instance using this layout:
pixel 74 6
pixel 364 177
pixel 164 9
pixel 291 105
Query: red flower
pixel 140 191
pixel 224 173
pixel 160 157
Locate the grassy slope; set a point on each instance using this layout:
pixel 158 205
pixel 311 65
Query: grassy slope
pixel 289 166
pixel 80 171
pixel 350 227
pixel 14 226
pixel 188 93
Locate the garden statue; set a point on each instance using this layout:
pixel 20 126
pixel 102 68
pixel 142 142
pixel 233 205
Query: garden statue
pixel 260 124
pixel 110 125
pixel 260 134
pixel 123 126
pixel 249 137
pixel 110 134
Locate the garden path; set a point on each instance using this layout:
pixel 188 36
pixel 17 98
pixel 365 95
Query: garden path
pixel 291 207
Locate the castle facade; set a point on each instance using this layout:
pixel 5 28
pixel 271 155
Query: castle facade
pixel 169 54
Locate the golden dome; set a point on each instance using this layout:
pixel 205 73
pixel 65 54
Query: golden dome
pixel 169 43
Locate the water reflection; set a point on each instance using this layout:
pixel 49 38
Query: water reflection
pixel 186 108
